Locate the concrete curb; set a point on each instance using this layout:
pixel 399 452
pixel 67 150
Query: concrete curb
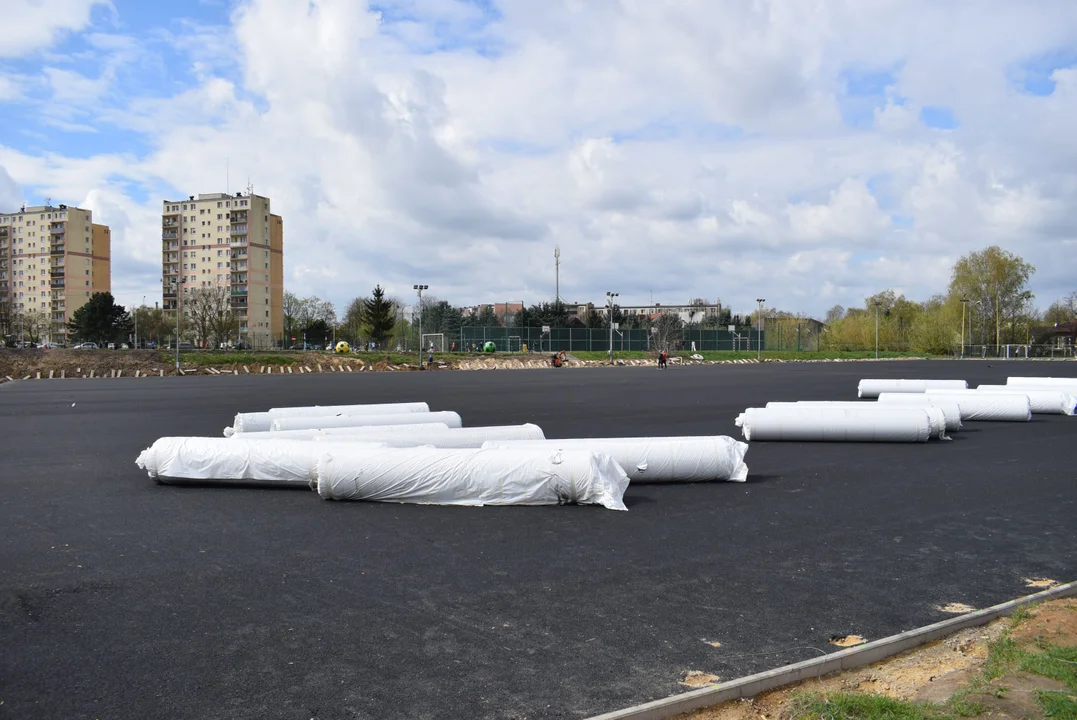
pixel 866 654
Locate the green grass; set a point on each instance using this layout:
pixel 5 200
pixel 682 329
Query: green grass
pixel 1057 705
pixel 853 706
pixel 1057 663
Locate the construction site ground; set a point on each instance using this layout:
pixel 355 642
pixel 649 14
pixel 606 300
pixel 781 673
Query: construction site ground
pixel 70 363
pixel 996 671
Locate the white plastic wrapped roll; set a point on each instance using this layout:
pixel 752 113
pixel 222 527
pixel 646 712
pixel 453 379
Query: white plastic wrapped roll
pixel 658 459
pixel 911 424
pixel 1044 381
pixel 472 437
pixel 344 433
pixel 951 412
pixel 976 406
pixel 221 460
pixel 334 421
pixel 434 476
pixel 260 421
pixel 874 388
pixel 1042 400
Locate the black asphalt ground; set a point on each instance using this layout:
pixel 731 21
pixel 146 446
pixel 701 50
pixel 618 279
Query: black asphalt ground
pixel 120 598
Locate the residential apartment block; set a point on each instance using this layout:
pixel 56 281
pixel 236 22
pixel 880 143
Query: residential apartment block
pixel 227 241
pixel 52 259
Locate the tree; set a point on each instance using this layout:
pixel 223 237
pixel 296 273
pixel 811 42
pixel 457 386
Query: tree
pixel 100 320
pixel 1062 310
pixel 665 328
pixel 834 314
pixel 994 281
pixel 293 309
pixel 379 316
pixel 152 323
pixel 209 310
pixel 36 325
pixel 351 326
pixel 301 312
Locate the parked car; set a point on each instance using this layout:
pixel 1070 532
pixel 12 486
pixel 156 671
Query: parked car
pixel 86 346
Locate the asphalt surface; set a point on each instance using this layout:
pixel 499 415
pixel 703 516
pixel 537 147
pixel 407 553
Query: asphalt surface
pixel 120 598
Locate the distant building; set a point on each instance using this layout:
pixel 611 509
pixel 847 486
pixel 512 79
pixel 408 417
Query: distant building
pixel 687 313
pixel 227 241
pixel 52 259
pixel 505 311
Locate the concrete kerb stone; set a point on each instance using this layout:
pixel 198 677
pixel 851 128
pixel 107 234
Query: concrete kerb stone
pixel 859 656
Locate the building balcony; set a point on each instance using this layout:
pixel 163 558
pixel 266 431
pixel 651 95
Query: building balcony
pixel 169 294
pixel 169 222
pixel 56 250
pixel 239 292
pixel 239 229
pixel 169 234
pixel 57 228
pixel 56 283
pixel 56 273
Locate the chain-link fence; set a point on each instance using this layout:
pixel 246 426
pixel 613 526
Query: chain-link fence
pixel 1017 352
pixel 534 339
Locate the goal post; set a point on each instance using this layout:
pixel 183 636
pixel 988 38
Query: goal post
pixel 436 339
pixel 514 343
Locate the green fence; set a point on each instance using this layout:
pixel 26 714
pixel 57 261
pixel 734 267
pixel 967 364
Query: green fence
pixel 598 339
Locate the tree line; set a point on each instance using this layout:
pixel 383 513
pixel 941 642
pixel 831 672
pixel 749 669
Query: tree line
pixel 987 302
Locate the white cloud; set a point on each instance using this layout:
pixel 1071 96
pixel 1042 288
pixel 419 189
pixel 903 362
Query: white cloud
pixel 672 148
pixel 10 194
pixel 34 24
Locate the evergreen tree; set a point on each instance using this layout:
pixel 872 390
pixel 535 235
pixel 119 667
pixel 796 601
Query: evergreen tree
pixel 100 320
pixel 378 316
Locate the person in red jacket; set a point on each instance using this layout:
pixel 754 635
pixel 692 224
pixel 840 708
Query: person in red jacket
pixel 662 359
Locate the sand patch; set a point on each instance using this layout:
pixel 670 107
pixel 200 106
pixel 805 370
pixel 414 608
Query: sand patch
pixel 956 608
pixel 847 640
pixel 699 679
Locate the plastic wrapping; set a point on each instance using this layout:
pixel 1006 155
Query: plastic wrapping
pixel 836 425
pixel 334 421
pixel 1042 400
pixel 222 460
pixel 658 459
pixel 874 388
pixel 260 421
pixel 472 437
pixel 975 406
pixel 432 476
pixel 343 433
pixel 1043 382
pixel 951 412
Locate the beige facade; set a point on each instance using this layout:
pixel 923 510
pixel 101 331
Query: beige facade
pixel 227 241
pixel 51 260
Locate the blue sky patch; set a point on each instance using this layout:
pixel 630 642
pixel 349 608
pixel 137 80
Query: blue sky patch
pixel 938 118
pixel 1034 75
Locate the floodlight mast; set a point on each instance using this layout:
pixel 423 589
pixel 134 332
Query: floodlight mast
pixel 759 330
pixel 420 289
pixel 609 299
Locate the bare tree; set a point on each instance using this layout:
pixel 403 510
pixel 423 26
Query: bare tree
pixel 665 329
pixel 36 325
pixel 209 311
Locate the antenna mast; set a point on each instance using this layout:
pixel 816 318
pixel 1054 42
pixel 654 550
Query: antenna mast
pixel 557 272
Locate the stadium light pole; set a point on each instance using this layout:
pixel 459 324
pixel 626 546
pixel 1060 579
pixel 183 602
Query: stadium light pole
pixel 420 289
pixel 964 305
pixel 877 303
pixel 759 330
pixel 609 298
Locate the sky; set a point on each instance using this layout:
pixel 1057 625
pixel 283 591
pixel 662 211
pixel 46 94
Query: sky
pixel 809 152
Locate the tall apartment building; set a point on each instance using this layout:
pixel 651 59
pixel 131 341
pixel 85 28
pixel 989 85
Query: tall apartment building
pixel 51 260
pixel 227 241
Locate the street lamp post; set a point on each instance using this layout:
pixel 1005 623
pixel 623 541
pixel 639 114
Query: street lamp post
pixel 964 305
pixel 419 289
pixel 609 299
pixel 877 303
pixel 759 329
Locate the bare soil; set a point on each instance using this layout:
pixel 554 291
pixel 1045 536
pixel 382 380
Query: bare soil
pixel 934 672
